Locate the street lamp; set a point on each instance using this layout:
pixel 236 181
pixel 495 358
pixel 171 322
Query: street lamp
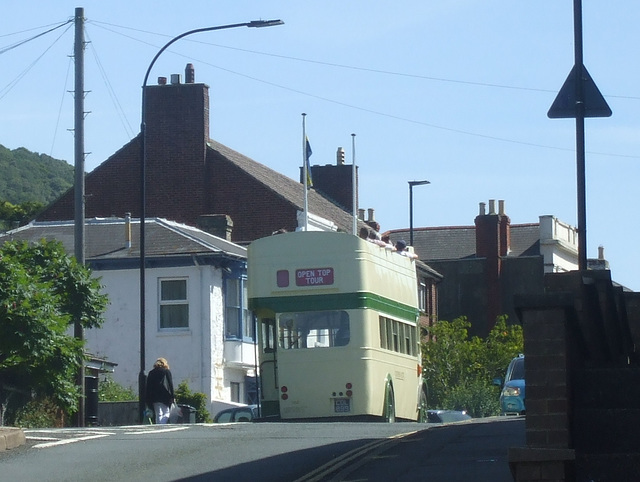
pixel 143 142
pixel 411 184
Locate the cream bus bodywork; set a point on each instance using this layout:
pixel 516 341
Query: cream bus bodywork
pixel 296 278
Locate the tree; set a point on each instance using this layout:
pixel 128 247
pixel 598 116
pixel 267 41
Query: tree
pixel 459 371
pixel 42 292
pixel 10 214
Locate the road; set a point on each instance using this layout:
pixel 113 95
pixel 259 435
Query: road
pixel 282 452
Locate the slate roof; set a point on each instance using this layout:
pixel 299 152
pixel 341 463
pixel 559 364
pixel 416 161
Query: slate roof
pixel 105 239
pixel 287 188
pixel 459 242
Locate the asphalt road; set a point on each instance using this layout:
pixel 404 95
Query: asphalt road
pixel 475 450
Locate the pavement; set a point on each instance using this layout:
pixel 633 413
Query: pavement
pixel 11 437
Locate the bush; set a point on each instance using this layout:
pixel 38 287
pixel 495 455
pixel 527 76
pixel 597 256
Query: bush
pixel 111 391
pixel 39 413
pixel 478 398
pixel 459 370
pixel 199 401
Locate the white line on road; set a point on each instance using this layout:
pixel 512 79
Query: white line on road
pixel 162 430
pixel 69 441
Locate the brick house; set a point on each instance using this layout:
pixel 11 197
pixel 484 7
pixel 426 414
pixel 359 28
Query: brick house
pixel 485 265
pixel 190 175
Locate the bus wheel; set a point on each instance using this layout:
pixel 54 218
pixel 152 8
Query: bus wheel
pixel 422 407
pixel 389 405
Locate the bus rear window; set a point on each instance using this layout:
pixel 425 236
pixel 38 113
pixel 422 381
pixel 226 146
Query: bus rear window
pixel 313 329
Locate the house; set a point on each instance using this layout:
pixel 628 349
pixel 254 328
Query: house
pixel 217 200
pixel 196 312
pixel 189 175
pixel 485 265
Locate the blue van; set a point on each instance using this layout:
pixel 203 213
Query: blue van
pixel 513 391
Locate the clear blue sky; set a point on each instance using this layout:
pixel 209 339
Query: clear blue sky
pixel 454 91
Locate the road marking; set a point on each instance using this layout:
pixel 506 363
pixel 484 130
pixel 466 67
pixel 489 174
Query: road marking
pixel 69 441
pixel 359 453
pixel 162 430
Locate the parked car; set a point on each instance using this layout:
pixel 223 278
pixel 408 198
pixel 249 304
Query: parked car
pixel 446 416
pixel 237 414
pixel 512 395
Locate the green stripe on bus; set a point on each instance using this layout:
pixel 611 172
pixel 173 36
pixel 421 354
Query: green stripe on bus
pixel 342 301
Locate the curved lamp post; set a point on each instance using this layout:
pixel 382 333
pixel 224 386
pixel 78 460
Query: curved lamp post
pixel 143 132
pixel 411 184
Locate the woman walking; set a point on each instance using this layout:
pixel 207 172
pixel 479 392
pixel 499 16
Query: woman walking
pixel 160 390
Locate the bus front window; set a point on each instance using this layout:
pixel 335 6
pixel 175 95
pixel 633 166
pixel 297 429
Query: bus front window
pixel 313 329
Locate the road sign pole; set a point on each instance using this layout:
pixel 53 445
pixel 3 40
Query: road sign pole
pixel 580 147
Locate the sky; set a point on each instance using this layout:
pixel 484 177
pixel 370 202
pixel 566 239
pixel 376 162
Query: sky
pixel 455 92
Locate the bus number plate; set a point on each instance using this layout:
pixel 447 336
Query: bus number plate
pixel 342 405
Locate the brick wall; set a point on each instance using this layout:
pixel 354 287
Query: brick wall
pixel 184 180
pixel 335 182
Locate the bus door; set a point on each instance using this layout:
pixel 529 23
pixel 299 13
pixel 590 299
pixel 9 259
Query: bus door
pixel 269 389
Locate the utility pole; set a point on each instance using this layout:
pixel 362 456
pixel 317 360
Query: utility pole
pixel 78 54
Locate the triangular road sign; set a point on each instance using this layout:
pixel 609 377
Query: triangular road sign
pixel 564 107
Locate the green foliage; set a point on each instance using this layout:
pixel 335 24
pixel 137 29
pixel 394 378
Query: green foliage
pixel 459 370
pixel 197 400
pixel 39 413
pixel 10 214
pixel 111 391
pixel 28 176
pixel 42 292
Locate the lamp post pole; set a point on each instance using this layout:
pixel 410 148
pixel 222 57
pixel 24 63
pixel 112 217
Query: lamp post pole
pixel 143 162
pixel 411 184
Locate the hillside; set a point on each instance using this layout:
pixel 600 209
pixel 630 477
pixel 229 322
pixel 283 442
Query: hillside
pixel 29 176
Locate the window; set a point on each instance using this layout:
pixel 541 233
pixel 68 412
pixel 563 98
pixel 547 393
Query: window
pixel 174 308
pixel 422 296
pixel 235 392
pixel 314 329
pixel 239 323
pixel 398 336
pixel 268 335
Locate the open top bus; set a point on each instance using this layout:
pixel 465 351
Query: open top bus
pixel 337 328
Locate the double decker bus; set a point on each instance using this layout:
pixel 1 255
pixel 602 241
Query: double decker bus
pixel 337 328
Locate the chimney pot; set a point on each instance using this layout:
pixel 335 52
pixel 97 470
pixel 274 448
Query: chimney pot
pixel 189 74
pixel 176 79
pixel 601 252
pixel 501 207
pixel 127 230
pixel 340 157
pixel 492 206
pixel 371 215
pixel 361 214
pixel 162 81
pixel 482 210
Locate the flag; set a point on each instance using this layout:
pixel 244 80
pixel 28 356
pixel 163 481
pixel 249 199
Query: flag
pixel 307 166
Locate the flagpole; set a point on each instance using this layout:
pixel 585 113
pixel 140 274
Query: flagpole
pixel 353 185
pixel 305 168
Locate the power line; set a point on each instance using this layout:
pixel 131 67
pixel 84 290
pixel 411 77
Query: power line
pixel 112 94
pixel 351 67
pixel 22 42
pixel 5 90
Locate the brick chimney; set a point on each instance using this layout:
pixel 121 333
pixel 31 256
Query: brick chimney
pixel 493 233
pixel 177 126
pixel 335 181
pixel 219 225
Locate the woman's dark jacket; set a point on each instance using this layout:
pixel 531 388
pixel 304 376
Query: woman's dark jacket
pixel 159 387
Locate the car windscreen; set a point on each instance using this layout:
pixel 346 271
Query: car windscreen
pixel 518 370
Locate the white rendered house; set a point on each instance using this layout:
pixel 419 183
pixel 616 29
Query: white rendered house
pixel 196 312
